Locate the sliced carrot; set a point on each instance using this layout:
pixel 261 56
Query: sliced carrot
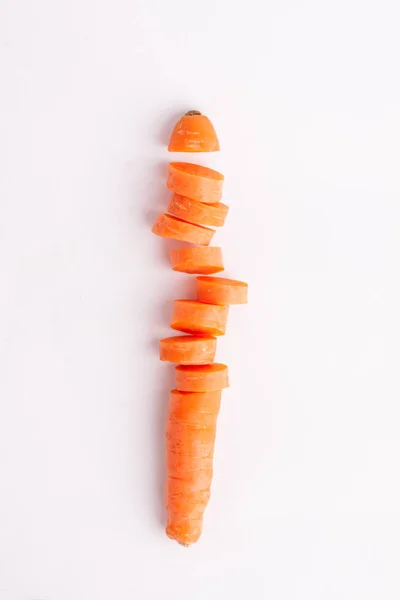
pixel 191 428
pixel 188 349
pixel 218 290
pixel 195 317
pixel 196 212
pixel 201 378
pixel 175 229
pixel 193 132
pixel 194 181
pixel 197 260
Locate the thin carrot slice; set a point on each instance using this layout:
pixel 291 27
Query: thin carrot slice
pixel 193 132
pixel 218 290
pixel 191 428
pixel 196 182
pixel 175 229
pixel 188 349
pixel 196 212
pixel 197 260
pixel 190 316
pixel 201 378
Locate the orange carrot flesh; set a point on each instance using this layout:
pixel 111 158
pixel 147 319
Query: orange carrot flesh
pixel 170 227
pixel 196 182
pixel 201 378
pixel 191 316
pixel 188 349
pixel 218 290
pixel 190 439
pixel 196 212
pixel 193 132
pixel 202 260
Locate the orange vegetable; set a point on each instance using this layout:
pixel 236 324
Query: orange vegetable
pixel 195 317
pixel 198 212
pixel 218 290
pixel 197 260
pixel 191 428
pixel 201 378
pixel 196 182
pixel 193 132
pixel 188 349
pixel 175 229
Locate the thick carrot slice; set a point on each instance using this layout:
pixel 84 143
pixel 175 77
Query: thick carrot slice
pixel 194 181
pixel 191 428
pixel 193 132
pixel 198 212
pixel 175 229
pixel 196 317
pixel 218 290
pixel 188 349
pixel 197 260
pixel 201 378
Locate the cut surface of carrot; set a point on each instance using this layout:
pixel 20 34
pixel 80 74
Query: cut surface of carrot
pixel 196 182
pixel 188 349
pixel 193 132
pixel 190 440
pixel 201 260
pixel 201 378
pixel 219 290
pixel 170 227
pixel 196 212
pixel 191 316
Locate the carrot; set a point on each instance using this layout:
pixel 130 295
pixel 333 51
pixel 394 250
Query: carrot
pixel 190 316
pixel 201 378
pixel 196 182
pixel 197 260
pixel 191 427
pixel 175 229
pixel 198 212
pixel 188 349
pixel 218 290
pixel 193 132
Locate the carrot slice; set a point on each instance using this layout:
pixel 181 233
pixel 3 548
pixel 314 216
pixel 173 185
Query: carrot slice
pixel 197 260
pixel 193 132
pixel 198 212
pixel 218 290
pixel 194 181
pixel 188 349
pixel 175 229
pixel 195 317
pixel 201 378
pixel 191 428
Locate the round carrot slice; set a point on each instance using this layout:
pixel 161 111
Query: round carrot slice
pixel 194 181
pixel 198 212
pixel 201 378
pixel 175 229
pixel 188 349
pixel 193 132
pixel 197 260
pixel 190 316
pixel 218 290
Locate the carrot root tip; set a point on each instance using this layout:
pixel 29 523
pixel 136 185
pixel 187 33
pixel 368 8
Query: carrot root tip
pixel 192 113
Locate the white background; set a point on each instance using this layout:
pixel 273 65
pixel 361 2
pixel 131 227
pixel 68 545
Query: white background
pixel 305 97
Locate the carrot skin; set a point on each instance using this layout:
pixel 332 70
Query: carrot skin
pixel 222 291
pixel 188 349
pixel 167 226
pixel 191 428
pixel 203 260
pixel 195 317
pixel 195 181
pixel 201 378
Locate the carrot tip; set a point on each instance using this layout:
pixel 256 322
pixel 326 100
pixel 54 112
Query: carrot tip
pixel 192 113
